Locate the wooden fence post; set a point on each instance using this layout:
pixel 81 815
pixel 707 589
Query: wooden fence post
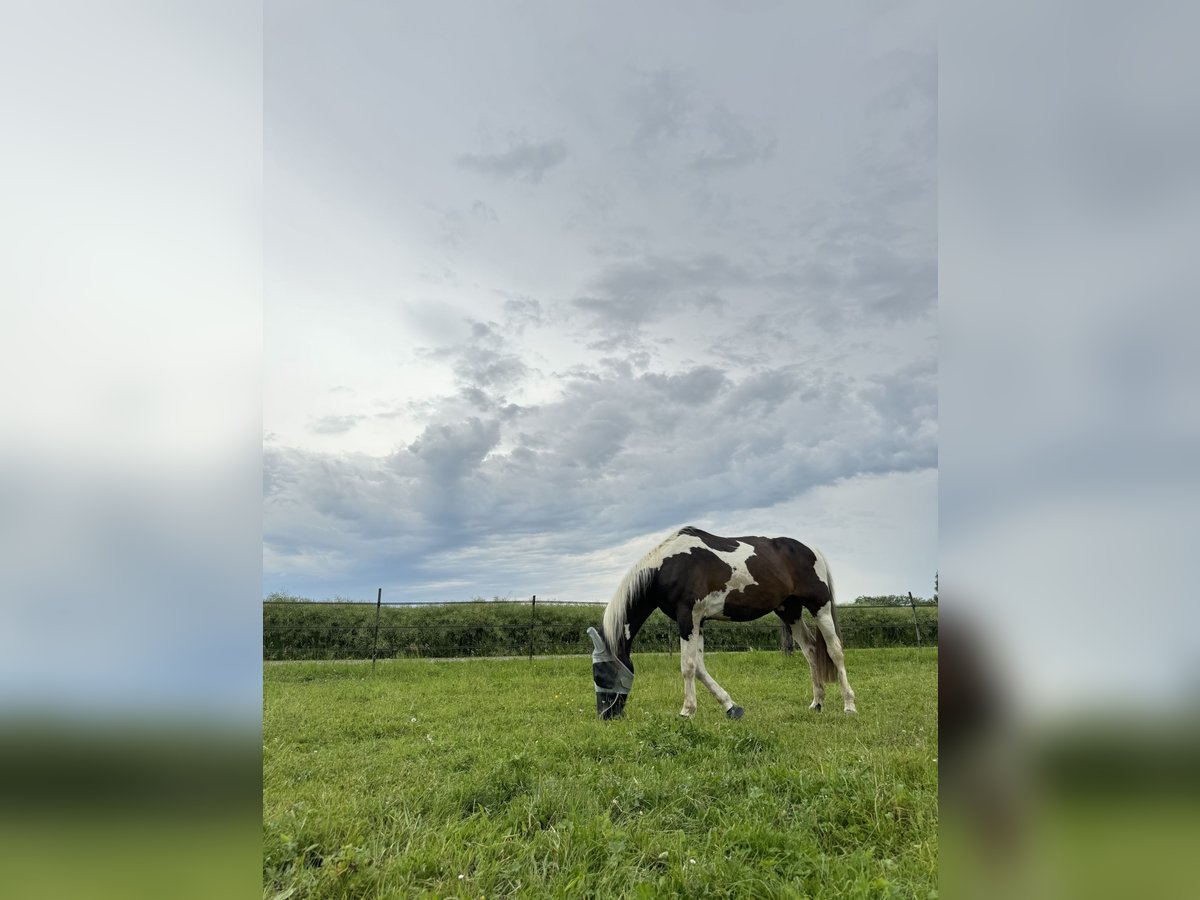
pixel 916 627
pixel 375 639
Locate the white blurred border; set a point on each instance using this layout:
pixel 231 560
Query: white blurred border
pixel 1070 497
pixel 130 488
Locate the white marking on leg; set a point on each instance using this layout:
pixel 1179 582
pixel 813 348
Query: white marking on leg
pixel 687 665
pixel 834 646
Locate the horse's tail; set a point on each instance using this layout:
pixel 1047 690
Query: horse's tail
pixel 823 665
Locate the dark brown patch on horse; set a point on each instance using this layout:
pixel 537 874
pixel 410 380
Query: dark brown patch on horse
pixel 725 545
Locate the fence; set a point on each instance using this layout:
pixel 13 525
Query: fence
pixel 301 629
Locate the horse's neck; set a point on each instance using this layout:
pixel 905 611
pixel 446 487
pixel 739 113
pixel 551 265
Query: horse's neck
pixel 635 618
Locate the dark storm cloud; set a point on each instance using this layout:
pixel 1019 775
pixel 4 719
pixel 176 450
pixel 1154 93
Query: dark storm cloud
pixel 525 162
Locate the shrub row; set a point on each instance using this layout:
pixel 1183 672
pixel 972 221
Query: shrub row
pixel 304 630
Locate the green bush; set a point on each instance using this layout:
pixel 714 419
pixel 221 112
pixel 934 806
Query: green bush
pixel 295 629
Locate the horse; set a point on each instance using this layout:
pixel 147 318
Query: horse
pixel 694 576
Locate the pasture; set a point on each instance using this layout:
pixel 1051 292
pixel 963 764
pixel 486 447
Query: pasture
pixel 491 778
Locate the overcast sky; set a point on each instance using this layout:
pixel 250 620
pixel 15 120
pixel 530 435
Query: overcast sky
pixel 545 281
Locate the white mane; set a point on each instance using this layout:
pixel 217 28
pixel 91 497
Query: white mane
pixel 635 582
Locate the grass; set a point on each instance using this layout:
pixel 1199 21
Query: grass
pixel 493 778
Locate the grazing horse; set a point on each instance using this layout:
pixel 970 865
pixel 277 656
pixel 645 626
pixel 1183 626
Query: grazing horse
pixel 693 576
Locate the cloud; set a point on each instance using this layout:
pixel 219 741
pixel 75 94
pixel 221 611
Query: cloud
pixel 629 294
pixel 661 104
pixel 614 455
pixel 523 162
pixel 335 424
pixel 521 313
pixel 453 450
pixel 707 309
pixel 732 143
pixel 484 363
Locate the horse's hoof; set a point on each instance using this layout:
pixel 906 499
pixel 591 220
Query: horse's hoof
pixel 686 714
pixel 852 712
pixel 815 707
pixel 735 712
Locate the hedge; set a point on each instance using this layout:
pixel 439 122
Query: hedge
pixel 344 630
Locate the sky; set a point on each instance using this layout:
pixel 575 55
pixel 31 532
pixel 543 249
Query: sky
pixel 543 282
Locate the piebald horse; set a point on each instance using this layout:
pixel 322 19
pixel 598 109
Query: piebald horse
pixel 694 576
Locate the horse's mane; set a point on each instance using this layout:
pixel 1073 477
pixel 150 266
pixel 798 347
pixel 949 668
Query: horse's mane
pixel 630 590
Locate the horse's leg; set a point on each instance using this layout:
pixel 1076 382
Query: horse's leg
pixel 834 645
pixel 687 666
pixel 803 640
pixel 731 709
pixel 789 613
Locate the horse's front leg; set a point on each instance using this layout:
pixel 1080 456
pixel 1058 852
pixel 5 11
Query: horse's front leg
pixel 697 647
pixel 687 666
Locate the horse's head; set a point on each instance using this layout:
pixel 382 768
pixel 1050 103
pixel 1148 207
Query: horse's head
pixel 613 678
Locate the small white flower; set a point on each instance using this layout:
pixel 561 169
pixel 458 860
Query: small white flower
pixel 461 876
pixel 692 861
pixel 413 719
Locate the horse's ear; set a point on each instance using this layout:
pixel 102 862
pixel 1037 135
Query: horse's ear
pixel 597 640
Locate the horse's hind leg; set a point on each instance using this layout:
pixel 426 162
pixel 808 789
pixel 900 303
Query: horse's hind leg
pixel 731 709
pixel 802 639
pixel 833 645
pixel 789 613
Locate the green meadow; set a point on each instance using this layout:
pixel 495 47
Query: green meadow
pixel 493 778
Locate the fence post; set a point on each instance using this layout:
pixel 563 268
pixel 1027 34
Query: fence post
pixel 375 639
pixel 916 627
pixel 532 610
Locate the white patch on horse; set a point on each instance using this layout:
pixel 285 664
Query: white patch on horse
pixel 822 569
pixel 713 605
